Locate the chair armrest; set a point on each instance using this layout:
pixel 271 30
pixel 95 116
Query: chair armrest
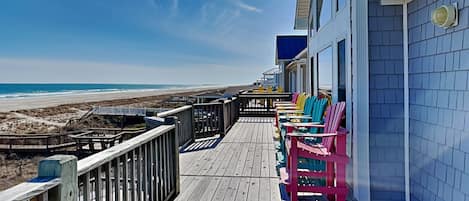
pixel 307 124
pixel 288 107
pixel 289 111
pixel 316 135
pixel 284 104
pixel 299 117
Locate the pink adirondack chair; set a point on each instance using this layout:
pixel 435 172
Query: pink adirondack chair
pixel 293 100
pixel 332 150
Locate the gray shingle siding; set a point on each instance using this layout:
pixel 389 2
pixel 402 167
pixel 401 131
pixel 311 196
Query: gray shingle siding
pixel 386 102
pixel 439 104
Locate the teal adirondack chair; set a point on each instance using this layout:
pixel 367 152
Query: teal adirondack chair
pixel 316 112
pixel 283 116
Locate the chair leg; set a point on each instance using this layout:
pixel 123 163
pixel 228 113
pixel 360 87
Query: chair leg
pixel 330 179
pixel 293 171
pixel 341 197
pixel 340 180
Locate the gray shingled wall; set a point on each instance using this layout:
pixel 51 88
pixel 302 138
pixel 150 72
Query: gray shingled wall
pixel 386 102
pixel 439 104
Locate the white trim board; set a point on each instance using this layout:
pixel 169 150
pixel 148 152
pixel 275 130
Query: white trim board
pixel 360 69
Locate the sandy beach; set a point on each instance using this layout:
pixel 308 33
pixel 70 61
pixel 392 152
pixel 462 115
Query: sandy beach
pixel 13 104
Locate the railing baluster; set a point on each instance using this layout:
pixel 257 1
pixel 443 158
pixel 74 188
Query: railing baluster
pixel 117 178
pixel 108 182
pixel 169 166
pixel 86 187
pixel 132 175
pixel 125 174
pixel 151 170
pixel 139 173
pixel 98 184
pixel 165 165
pixel 156 146
pixel 145 173
pixel 44 197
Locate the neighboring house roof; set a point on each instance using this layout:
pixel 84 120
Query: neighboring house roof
pixel 302 55
pixel 287 47
pixel 272 71
pixel 301 14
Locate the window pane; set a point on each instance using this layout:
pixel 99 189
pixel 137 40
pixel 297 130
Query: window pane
pixel 325 72
pixel 311 64
pixel 324 8
pixel 311 24
pixel 340 4
pixel 341 66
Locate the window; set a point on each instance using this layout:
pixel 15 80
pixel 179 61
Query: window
pixel 325 72
pixel 340 4
pixel 311 64
pixel 324 8
pixel 341 66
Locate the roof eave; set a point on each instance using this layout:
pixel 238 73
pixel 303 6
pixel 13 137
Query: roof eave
pixel 301 14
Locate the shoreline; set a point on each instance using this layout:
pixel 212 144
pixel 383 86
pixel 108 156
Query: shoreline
pixel 27 103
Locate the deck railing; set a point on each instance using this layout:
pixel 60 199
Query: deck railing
pixel 142 168
pixel 260 104
pixel 215 118
pixel 185 116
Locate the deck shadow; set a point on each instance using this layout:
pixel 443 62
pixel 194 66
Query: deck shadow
pixel 202 144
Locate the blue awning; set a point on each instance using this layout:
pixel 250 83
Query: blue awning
pixel 287 47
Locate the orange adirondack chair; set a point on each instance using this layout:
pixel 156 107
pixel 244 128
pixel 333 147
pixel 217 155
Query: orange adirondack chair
pixel 332 150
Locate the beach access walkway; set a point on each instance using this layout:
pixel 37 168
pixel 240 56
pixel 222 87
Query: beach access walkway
pixel 240 166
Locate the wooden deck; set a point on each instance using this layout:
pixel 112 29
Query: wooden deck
pixel 241 166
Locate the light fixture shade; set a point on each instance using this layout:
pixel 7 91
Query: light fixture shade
pixel 445 16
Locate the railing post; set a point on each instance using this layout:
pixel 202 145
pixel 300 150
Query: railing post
pixel 192 123
pixel 65 168
pixel 221 116
pixel 168 121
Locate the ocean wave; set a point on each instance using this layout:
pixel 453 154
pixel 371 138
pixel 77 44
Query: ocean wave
pixel 43 93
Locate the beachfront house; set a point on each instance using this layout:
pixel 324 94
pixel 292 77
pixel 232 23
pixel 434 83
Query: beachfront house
pixel 271 77
pixel 405 81
pixel 289 56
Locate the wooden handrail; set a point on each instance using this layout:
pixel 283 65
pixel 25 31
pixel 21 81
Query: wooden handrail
pixel 98 159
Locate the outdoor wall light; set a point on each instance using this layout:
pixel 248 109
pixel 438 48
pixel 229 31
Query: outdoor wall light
pixel 445 16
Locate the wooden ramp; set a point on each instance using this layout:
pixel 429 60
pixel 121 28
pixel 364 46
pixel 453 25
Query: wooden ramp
pixel 239 167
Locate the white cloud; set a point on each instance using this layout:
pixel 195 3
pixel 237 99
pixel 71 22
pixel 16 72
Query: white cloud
pixel 248 7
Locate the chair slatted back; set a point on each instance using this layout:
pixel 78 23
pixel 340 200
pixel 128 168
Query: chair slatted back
pixel 308 109
pixel 317 113
pixel 301 101
pixel 295 97
pixel 333 119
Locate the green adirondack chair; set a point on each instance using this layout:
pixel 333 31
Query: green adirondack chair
pixel 316 113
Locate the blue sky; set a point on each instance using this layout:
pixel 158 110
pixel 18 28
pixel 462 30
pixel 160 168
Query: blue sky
pixel 140 41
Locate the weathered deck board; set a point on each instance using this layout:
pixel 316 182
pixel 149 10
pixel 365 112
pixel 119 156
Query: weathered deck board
pixel 240 167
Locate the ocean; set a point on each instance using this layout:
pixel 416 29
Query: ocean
pixel 32 90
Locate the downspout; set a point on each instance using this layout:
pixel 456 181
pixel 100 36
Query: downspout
pixel 406 99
